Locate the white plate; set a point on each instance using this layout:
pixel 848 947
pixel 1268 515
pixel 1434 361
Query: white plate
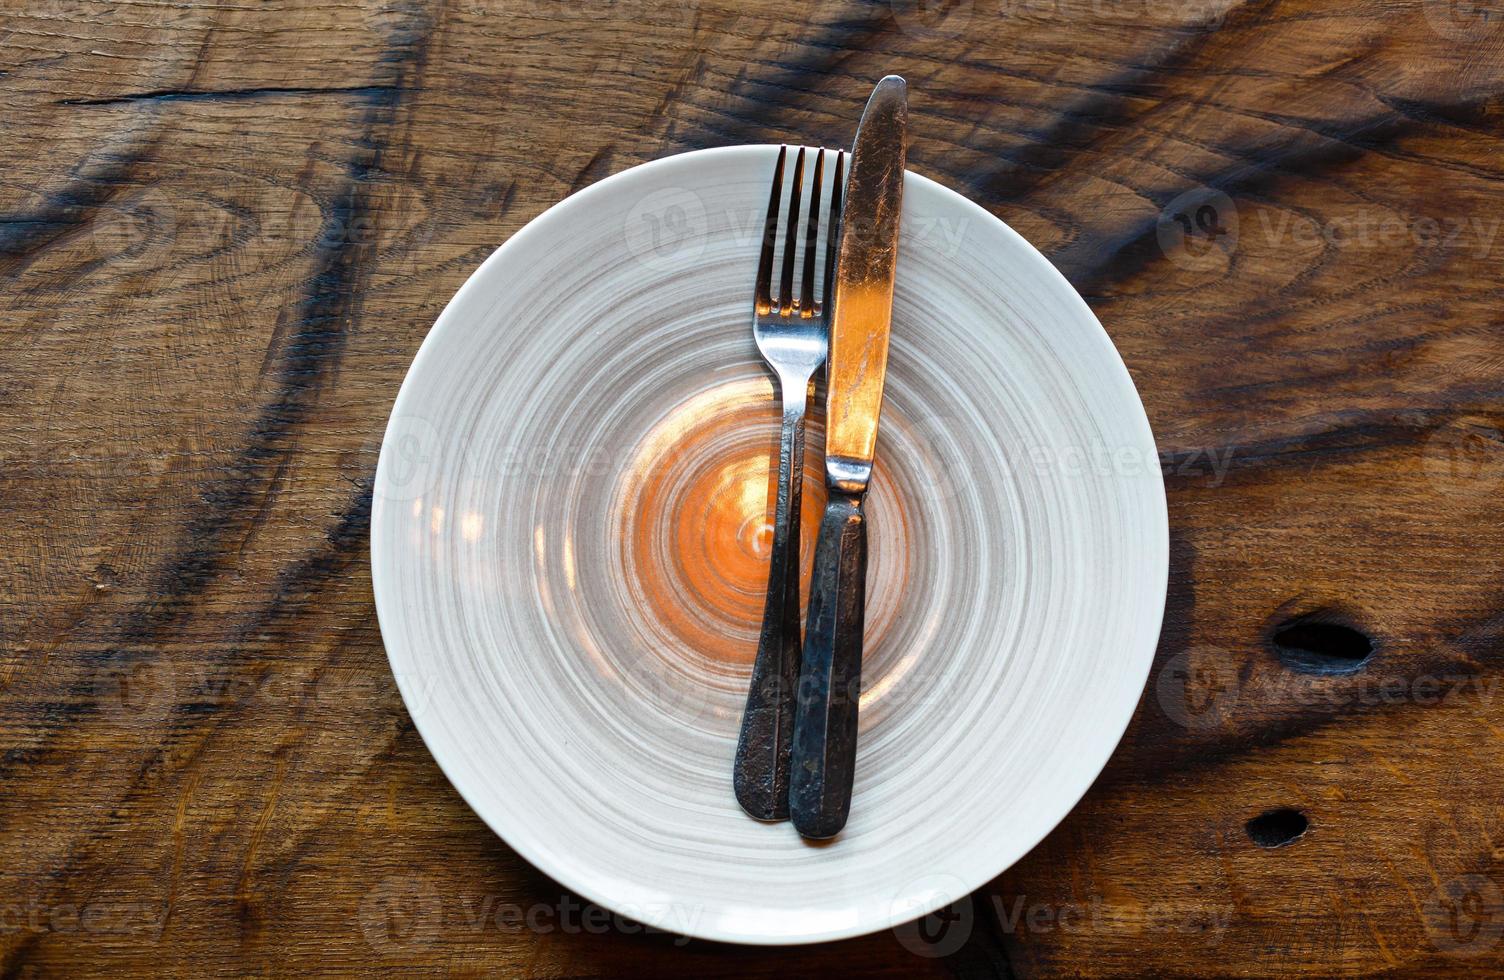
pixel 567 548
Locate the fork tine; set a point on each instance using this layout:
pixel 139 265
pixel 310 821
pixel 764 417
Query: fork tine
pixel 791 239
pixel 811 239
pixel 833 236
pixel 769 236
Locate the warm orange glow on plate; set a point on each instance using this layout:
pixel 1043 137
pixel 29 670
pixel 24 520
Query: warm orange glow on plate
pixel 700 496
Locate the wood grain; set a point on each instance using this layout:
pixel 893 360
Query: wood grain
pixel 225 228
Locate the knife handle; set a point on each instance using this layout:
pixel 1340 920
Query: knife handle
pixel 824 754
pixel 761 773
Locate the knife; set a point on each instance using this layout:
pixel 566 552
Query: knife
pixel 824 747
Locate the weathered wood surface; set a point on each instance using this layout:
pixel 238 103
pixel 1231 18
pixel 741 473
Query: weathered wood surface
pixel 225 228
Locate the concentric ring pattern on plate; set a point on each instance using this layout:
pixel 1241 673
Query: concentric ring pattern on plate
pixel 569 540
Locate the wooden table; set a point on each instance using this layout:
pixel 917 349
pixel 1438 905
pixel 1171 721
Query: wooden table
pixel 225 229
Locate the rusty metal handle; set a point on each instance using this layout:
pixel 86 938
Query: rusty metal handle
pixel 825 716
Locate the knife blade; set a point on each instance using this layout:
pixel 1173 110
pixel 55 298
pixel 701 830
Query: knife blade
pixel 825 718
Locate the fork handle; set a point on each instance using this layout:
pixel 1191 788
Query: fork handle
pixel 824 754
pixel 761 774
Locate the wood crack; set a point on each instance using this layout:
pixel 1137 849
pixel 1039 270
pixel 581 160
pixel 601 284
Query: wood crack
pixel 374 94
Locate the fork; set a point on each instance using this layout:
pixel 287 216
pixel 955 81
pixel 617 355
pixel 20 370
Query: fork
pixel 793 336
